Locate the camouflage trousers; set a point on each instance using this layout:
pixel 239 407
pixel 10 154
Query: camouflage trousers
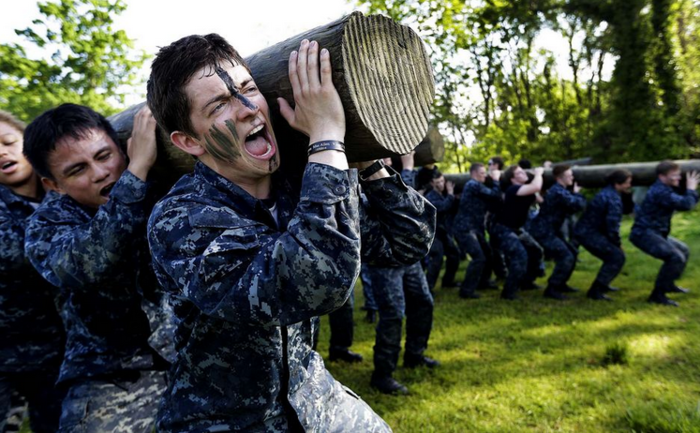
pixel 522 254
pixel 116 404
pixel 479 270
pixel 612 256
pixel 37 390
pixel 564 255
pixel 673 252
pixel 443 246
pixel 400 291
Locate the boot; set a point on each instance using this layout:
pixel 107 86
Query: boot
pixel 567 289
pixel 387 384
pixel 413 361
pixel 676 289
pixel 551 292
pixel 597 292
pixel 662 300
pixel 343 354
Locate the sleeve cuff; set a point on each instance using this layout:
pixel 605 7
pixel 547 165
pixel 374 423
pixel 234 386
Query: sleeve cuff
pixel 129 188
pixel 325 184
pixel 385 187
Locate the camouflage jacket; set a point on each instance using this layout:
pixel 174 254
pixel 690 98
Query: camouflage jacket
pixel 98 260
pixel 657 209
pixel 559 203
pixel 31 332
pixel 246 288
pixel 603 215
pixel 475 201
pixel 445 205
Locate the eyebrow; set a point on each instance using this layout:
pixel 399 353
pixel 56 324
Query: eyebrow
pixel 78 164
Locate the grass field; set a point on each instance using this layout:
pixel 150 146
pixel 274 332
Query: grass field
pixel 539 365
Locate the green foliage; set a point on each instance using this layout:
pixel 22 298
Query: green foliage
pixel 496 91
pixel 81 60
pixel 536 365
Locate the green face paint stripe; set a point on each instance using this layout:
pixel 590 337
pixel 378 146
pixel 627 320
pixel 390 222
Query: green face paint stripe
pixel 224 147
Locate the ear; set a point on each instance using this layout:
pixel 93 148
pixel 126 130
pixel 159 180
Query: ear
pixel 51 185
pixel 186 143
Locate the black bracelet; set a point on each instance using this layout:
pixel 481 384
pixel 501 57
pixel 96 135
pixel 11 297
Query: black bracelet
pixel 320 146
pixel 372 169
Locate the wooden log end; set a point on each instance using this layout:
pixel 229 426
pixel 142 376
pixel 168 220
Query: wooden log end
pixel 390 79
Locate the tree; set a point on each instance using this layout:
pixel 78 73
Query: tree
pixel 86 61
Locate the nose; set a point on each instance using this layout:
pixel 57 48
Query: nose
pixel 248 108
pixel 100 172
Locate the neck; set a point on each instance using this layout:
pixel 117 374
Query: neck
pixel 30 188
pixel 561 182
pixel 257 187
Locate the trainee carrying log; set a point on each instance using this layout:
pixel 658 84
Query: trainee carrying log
pixel 593 176
pixel 383 76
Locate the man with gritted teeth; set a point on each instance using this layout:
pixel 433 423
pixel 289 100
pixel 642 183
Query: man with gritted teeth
pixel 89 240
pixel 251 262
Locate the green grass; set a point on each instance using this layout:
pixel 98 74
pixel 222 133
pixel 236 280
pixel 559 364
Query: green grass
pixel 538 365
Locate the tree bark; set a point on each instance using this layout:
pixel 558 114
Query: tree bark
pixel 431 149
pixel 383 76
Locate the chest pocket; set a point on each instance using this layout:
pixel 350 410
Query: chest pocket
pixel 230 228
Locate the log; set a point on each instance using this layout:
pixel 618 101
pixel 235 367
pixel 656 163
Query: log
pixel 593 176
pixel 383 76
pixel 431 149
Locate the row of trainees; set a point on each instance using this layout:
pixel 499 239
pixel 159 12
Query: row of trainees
pixel 501 203
pixel 191 309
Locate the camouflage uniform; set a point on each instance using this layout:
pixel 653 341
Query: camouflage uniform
pixel 470 232
pixel 400 290
pixel 521 252
pixel 443 245
pixel 246 286
pixel 598 230
pixel 545 228
pixel 31 332
pixel 650 233
pixel 99 260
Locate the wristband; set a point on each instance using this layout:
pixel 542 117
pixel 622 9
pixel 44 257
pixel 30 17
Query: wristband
pixel 372 169
pixel 320 146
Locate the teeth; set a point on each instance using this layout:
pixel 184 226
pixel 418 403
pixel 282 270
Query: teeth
pixel 255 131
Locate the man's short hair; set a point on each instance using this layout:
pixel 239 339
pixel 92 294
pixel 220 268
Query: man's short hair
pixel 475 166
pixel 173 68
pixel 497 161
pixel 437 174
pixel 508 175
pixel 560 169
pixel 618 177
pixel 525 164
pixel 66 120
pixel 11 120
pixel 665 167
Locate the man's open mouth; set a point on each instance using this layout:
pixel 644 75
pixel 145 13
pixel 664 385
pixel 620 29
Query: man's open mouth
pixel 8 166
pixel 104 192
pixel 258 143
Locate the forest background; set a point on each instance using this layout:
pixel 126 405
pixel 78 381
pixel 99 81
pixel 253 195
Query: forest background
pixel 631 91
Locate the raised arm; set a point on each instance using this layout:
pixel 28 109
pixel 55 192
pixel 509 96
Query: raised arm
pixel 533 187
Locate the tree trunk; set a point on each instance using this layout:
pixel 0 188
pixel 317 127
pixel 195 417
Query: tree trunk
pixel 383 76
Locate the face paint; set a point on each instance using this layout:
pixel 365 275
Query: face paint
pixel 223 146
pixel 226 78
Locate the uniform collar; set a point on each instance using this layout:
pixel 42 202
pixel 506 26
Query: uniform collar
pixel 248 206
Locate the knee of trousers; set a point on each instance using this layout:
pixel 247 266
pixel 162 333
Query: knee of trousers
pixel 677 258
